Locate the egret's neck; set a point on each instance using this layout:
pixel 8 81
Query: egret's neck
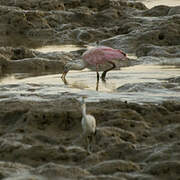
pixel 84 110
pixel 78 65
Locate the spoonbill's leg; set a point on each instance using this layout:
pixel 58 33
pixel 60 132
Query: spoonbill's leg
pixel 97 82
pixel 104 73
pixel 97 85
pixel 97 68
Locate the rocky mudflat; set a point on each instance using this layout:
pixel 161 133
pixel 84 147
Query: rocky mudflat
pixel 137 110
pixel 42 140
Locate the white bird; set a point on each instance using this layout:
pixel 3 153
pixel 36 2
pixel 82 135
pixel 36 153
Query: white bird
pixel 88 123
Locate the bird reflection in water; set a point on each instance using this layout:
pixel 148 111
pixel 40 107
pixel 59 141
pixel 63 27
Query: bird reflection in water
pixel 79 85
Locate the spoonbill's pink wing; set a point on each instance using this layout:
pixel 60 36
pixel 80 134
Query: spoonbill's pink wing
pixel 100 55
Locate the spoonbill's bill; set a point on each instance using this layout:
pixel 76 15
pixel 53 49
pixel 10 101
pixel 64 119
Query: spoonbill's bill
pixel 95 57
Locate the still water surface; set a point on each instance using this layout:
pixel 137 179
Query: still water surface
pixel 84 83
pixel 53 48
pixel 152 3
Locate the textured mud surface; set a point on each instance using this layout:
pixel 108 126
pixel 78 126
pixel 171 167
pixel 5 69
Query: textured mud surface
pixel 42 140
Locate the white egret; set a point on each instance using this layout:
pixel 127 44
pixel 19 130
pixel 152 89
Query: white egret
pixel 88 123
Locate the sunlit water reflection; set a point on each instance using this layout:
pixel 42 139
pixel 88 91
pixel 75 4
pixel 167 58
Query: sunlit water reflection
pixel 152 3
pixel 52 48
pixel 84 83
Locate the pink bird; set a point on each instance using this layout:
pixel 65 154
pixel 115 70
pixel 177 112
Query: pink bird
pixel 95 57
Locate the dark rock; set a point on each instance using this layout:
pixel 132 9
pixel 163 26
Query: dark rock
pixel 17 53
pixel 137 5
pixel 101 4
pixel 110 167
pixel 9 169
pixel 138 127
pixel 13 59
pixel 128 27
pixel 113 134
pixel 103 177
pixel 160 32
pixel 157 11
pixel 164 153
pixel 4 62
pixel 174 80
pixel 162 169
pixel 35 5
pixel 158 51
pixel 52 170
pixel 172 61
pixel 174 10
pixel 140 87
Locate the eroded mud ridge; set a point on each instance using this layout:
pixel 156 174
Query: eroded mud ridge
pixel 42 140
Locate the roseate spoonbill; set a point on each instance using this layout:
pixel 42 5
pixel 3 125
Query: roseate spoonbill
pixel 88 123
pixel 95 57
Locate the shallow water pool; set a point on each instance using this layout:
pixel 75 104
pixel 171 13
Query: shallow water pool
pixel 137 79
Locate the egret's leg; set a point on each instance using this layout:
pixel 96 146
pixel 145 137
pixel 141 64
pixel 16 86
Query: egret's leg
pixel 88 145
pixel 91 140
pixel 104 73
